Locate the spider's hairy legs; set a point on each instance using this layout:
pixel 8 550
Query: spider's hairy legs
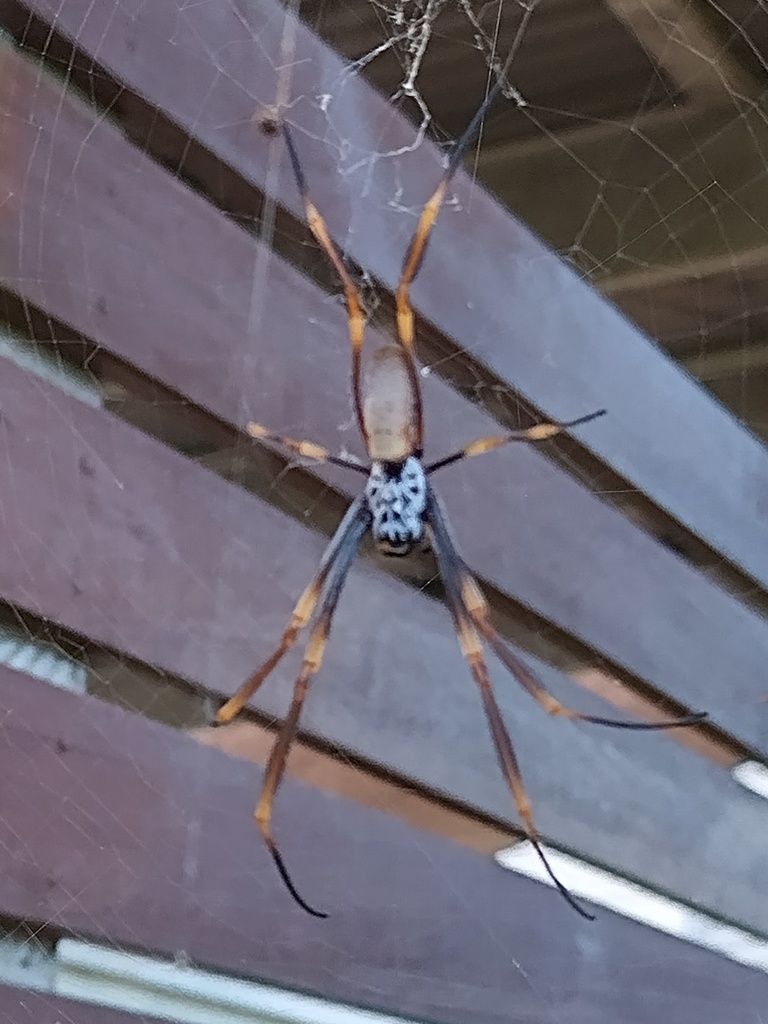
pixel 325 588
pixel 479 613
pixel 348 533
pixel 450 564
pixel 417 246
pixel 306 449
pixel 354 303
pixel 414 255
pixel 278 757
pixel 532 435
pixel 300 616
pixel 470 647
pixel 313 656
pixel 471 617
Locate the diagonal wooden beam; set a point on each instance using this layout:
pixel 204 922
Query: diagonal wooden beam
pixel 680 40
pixel 658 195
pixel 705 305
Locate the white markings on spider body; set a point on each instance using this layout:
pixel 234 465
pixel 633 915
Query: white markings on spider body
pixel 397 498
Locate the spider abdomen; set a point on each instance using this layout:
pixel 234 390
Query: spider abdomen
pixel 397 496
pixel 389 407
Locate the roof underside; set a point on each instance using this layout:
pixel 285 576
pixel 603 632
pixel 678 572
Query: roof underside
pixel 634 144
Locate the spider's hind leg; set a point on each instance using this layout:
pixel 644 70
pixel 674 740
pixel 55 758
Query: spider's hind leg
pixel 478 610
pixel 468 633
pixel 273 775
pixel 340 550
pixel 299 618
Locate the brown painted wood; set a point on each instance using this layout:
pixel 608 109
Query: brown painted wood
pixel 19 1006
pixel 126 542
pixel 123 600
pixel 488 282
pixel 121 260
pixel 127 830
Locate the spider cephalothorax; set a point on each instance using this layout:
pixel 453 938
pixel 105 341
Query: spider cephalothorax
pixel 397 498
pixel 398 506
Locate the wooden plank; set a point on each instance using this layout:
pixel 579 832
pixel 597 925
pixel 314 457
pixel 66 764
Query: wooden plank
pixel 123 540
pixel 680 190
pixel 512 303
pixel 19 1006
pixel 683 42
pixel 180 868
pixel 138 230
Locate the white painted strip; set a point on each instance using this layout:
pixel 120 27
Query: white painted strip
pixel 638 903
pixel 753 776
pixel 25 961
pixel 41 359
pixel 177 992
pixel 41 659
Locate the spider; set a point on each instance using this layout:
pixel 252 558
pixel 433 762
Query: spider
pixel 402 511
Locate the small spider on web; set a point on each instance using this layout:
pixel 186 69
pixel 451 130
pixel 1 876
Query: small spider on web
pixel 401 509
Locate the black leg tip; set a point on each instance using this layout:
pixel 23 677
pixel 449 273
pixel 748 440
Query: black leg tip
pixel 288 882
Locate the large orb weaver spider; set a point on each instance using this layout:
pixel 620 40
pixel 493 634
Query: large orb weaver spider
pixel 400 507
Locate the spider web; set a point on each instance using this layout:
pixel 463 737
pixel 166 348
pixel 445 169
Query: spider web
pixel 632 139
